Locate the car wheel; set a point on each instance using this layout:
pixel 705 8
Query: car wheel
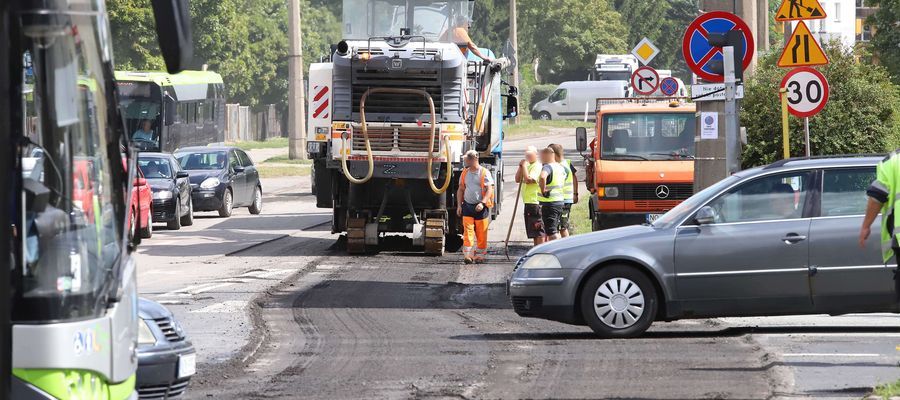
pixel 544 116
pixel 619 301
pixel 227 204
pixel 131 226
pixel 188 219
pixel 147 232
pixel 175 223
pixel 256 206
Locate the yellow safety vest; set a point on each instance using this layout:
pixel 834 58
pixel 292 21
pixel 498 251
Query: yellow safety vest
pixel 555 187
pixel 530 191
pixel 568 189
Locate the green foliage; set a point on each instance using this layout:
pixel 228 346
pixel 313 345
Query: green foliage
pixel 886 41
pixel 534 94
pixel 565 36
pixel 663 22
pixel 134 35
pixel 862 114
pixel 491 24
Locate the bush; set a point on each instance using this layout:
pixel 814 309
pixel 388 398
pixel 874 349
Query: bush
pixel 530 95
pixel 862 114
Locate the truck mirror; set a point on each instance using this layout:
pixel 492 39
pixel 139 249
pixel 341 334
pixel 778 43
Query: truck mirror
pixel 169 110
pixel 512 106
pixel 173 31
pixel 581 138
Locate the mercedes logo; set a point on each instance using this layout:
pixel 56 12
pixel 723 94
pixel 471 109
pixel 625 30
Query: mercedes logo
pixel 662 191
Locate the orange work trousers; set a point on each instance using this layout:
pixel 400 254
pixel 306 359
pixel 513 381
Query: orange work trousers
pixel 475 233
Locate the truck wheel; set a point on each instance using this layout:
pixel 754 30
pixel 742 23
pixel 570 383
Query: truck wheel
pixel 544 116
pixel 618 301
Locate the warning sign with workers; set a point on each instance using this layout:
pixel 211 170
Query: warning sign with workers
pixel 802 49
pixel 795 10
pixel 645 80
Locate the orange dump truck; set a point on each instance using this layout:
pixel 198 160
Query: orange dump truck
pixel 641 161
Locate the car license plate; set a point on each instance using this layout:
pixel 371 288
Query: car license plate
pixel 187 365
pixel 651 218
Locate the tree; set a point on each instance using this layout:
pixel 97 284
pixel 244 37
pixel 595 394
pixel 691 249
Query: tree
pixel 663 22
pixel 134 35
pixel 862 114
pixel 886 40
pixel 565 36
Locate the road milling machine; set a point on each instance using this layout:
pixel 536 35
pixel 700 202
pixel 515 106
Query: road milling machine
pixel 391 115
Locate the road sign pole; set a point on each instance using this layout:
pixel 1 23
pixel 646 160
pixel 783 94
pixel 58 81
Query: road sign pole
pixel 785 143
pixel 806 134
pixel 732 144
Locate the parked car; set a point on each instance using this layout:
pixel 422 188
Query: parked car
pixel 166 359
pixel 141 206
pixel 222 178
pixel 775 240
pixel 172 202
pixel 571 100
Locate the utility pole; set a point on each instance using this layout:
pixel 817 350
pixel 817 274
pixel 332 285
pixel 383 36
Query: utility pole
pixel 514 42
pixel 296 97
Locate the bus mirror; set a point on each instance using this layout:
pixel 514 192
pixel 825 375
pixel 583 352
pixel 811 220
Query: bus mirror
pixel 173 30
pixel 581 138
pixel 169 111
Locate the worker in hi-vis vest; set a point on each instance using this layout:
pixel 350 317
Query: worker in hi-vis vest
pixel 883 198
pixel 570 188
pixel 474 201
pixel 527 175
pixel 552 199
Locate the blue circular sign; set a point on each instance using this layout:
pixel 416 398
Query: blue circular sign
pixel 698 52
pixel 668 86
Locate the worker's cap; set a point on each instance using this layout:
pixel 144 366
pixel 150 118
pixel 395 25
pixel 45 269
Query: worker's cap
pixel 531 150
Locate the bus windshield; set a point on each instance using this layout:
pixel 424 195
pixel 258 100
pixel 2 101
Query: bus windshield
pixel 432 19
pixel 648 136
pixel 141 105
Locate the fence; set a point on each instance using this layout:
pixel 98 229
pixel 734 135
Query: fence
pixel 243 125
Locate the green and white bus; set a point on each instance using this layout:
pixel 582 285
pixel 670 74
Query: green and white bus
pixel 165 112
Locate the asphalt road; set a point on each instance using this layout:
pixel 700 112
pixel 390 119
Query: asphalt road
pixel 276 309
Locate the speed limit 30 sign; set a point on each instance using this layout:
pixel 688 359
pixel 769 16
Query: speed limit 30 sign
pixel 807 91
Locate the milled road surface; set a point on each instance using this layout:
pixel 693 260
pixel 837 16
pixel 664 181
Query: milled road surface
pixel 287 314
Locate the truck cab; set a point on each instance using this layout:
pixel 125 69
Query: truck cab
pixel 641 161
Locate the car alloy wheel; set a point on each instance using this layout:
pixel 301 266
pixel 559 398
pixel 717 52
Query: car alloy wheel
pixel 619 303
pixel 227 204
pixel 256 206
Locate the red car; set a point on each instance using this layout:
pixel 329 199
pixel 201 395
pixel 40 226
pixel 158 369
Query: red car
pixel 140 201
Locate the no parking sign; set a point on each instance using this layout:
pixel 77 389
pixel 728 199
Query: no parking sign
pixel 697 50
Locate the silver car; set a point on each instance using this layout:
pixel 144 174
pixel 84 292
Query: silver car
pixel 775 240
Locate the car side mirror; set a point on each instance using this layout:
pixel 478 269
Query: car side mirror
pixel 238 168
pixel 140 182
pixel 173 31
pixel 169 109
pixel 581 138
pixel 705 215
pixel 181 174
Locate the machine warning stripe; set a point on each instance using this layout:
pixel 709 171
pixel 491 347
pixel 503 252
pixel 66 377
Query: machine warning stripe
pixel 321 93
pixel 395 159
pixel 321 108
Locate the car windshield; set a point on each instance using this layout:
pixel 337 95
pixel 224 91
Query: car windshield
pixel 155 168
pixel 211 160
pixel 377 18
pixel 648 136
pixel 682 210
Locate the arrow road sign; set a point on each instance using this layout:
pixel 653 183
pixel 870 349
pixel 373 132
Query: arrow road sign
pixel 668 86
pixel 698 52
pixel 645 80
pixel 807 91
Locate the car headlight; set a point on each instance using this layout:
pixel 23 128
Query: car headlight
pixel 209 183
pixel 609 191
pixel 145 335
pixel 162 195
pixel 542 261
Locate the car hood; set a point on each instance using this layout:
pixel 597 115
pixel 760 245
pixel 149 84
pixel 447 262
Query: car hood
pixel 626 233
pixel 149 309
pixel 161 184
pixel 197 176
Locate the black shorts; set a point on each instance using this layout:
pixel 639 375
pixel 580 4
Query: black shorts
pixel 564 216
pixel 468 210
pixel 534 227
pixel 550 213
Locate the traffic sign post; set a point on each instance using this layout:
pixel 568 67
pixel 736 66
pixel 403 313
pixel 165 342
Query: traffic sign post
pixel 645 80
pixel 668 86
pixel 699 53
pixel 802 49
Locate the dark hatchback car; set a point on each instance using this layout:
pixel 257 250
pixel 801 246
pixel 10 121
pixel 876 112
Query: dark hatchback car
pixel 171 188
pixel 222 178
pixel 166 359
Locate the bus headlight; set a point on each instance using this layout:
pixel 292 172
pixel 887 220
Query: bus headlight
pixel 162 195
pixel 209 183
pixel 145 335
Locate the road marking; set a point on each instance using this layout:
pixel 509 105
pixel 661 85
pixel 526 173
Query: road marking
pixel 196 289
pixel 831 355
pixel 228 306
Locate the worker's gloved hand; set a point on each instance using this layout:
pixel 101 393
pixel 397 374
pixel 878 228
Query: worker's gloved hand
pixel 479 207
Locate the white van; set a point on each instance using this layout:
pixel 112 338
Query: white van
pixel 571 100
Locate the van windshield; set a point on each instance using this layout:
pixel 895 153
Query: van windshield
pixel 648 136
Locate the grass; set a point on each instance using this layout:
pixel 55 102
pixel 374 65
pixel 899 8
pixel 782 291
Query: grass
pixel 277 171
pixel 268 144
pixel 532 127
pixel 579 217
pixel 887 390
pixel 283 159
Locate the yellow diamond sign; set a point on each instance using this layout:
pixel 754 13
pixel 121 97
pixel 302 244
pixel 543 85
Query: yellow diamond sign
pixel 645 51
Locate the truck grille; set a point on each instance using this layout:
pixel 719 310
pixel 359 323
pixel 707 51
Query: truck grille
pixel 388 138
pixel 648 191
pixel 387 103
pixel 168 329
pixel 655 205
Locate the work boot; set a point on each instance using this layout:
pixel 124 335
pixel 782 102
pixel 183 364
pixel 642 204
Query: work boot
pixel 468 260
pixel 479 260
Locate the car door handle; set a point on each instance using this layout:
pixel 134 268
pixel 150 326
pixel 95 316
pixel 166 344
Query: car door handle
pixel 792 238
